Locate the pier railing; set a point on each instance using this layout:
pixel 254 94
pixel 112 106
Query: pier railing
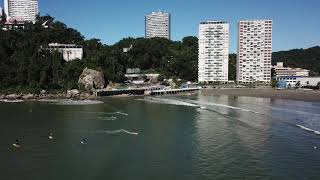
pixel 143 91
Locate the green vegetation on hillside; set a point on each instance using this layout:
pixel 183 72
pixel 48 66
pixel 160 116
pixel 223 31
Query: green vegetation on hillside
pixel 25 67
pixel 300 58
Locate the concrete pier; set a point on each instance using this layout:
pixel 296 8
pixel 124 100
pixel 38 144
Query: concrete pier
pixel 143 91
pixel 116 92
pixel 173 91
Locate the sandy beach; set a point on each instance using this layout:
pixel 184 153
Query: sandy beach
pixel 299 95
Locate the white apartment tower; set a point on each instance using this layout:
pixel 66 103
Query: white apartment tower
pixel 157 24
pixel 254 51
pixel 21 10
pixel 213 52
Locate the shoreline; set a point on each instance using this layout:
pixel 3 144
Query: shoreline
pixel 297 95
pixel 38 97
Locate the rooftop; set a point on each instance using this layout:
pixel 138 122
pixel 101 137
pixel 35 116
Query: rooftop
pixel 214 22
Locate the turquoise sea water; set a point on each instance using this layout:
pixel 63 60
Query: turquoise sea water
pixel 177 137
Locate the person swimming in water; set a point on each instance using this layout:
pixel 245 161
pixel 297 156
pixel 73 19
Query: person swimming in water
pixel 51 136
pixel 83 141
pixel 17 143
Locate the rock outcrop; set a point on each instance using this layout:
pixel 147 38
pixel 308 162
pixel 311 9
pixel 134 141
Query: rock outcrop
pixel 28 96
pixel 92 79
pixel 73 93
pixel 13 96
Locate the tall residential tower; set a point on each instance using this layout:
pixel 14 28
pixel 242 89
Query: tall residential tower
pixel 213 51
pixel 157 24
pixel 254 51
pixel 21 10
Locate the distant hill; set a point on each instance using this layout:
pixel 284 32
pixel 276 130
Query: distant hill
pixel 303 58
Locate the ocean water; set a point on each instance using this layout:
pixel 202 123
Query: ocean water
pixel 172 137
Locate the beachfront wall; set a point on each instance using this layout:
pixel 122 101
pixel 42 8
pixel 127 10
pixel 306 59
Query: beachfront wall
pixel 121 92
pixel 173 91
pixel 309 81
pixel 293 81
pixel 150 91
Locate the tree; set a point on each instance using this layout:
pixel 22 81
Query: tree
pixel 298 85
pixel 232 67
pixel 3 17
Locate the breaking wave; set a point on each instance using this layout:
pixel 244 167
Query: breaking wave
pixel 308 129
pixel 120 113
pixel 120 131
pixel 222 105
pixel 168 101
pixel 78 102
pixel 11 101
pixel 107 118
pixel 49 100
pixel 107 113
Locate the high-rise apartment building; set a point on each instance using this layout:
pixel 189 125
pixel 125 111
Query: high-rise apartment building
pixel 157 24
pixel 21 10
pixel 254 51
pixel 213 51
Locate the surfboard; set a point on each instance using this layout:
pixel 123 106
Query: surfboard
pixel 16 145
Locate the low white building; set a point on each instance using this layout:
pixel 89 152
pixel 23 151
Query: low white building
pixel 293 81
pixel 127 49
pixel 282 71
pixel 308 81
pixel 69 51
pixel 134 76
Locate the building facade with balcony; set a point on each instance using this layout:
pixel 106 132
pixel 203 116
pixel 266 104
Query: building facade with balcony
pixel 157 24
pixel 254 51
pixel 21 10
pixel 213 57
pixel 282 71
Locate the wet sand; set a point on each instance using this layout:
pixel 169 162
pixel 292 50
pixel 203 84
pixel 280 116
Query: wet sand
pixel 299 95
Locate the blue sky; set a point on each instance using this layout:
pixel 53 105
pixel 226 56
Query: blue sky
pixel 296 22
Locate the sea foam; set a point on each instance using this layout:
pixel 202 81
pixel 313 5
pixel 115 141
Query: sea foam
pixel 120 131
pixel 221 105
pixel 112 118
pixel 120 113
pixel 11 101
pixel 308 129
pixel 168 101
pixel 78 102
